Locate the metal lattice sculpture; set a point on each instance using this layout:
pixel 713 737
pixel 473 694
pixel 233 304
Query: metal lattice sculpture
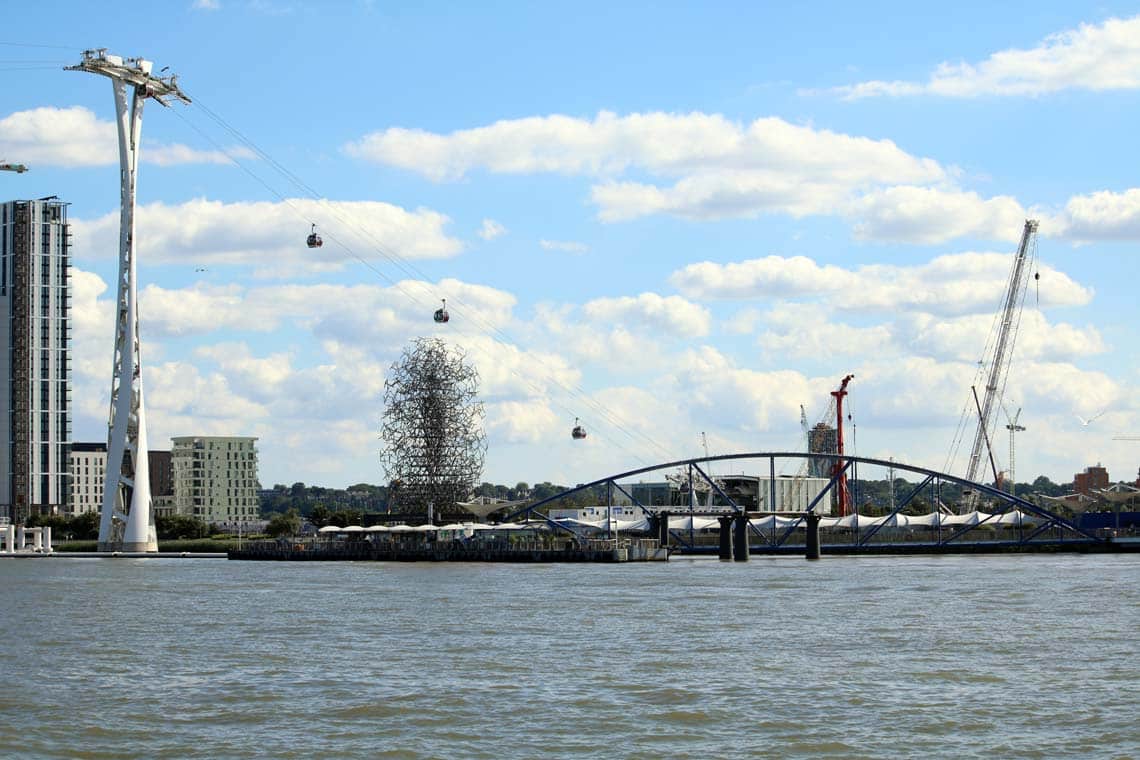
pixel 432 427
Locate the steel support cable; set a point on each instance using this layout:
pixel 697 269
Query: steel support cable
pixel 34 45
pixel 34 64
pixel 408 269
pixel 412 271
pixel 528 382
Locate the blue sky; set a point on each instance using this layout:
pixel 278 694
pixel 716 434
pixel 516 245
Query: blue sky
pixel 665 219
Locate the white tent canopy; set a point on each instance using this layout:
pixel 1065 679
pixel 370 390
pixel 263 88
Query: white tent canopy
pixel 694 522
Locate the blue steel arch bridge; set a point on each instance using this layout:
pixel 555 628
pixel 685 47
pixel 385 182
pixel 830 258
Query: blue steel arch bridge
pixel 1005 521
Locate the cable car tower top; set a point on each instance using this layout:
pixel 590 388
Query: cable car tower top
pixel 133 71
pixel 127 521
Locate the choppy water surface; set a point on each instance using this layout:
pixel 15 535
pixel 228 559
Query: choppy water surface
pixel 994 657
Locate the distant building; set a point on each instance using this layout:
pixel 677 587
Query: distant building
pixel 822 439
pixel 1092 477
pixel 161 482
pixel 87 464
pixel 657 494
pixel 215 478
pixel 35 429
pixel 597 513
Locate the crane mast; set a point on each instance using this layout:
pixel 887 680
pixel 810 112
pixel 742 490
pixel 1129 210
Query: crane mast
pixel 1007 332
pixel 1013 429
pixel 838 470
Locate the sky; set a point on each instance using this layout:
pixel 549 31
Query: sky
pixel 676 222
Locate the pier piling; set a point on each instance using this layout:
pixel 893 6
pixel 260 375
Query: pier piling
pixel 725 537
pixel 812 520
pixel 740 538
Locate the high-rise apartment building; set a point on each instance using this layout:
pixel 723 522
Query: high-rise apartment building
pixel 35 432
pixel 215 478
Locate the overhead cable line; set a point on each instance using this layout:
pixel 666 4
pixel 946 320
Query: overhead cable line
pixel 406 267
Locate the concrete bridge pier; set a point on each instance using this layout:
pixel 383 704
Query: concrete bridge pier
pixel 663 528
pixel 725 537
pixel 812 521
pixel 740 537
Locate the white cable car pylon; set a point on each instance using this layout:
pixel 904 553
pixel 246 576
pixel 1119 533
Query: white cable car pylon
pixel 127 519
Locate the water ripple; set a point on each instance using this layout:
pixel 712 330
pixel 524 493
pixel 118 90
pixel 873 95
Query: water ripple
pixel 982 657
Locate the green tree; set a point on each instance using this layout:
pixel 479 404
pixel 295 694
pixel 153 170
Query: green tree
pixel 180 526
pixel 320 516
pixel 344 517
pixel 85 527
pixel 284 524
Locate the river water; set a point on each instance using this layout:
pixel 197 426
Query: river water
pixel 988 657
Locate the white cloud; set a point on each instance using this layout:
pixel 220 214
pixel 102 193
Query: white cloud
pixel 770 277
pixel 931 216
pixel 723 168
pixel 614 346
pixel 722 394
pixel 368 313
pixel 665 143
pixel 531 421
pixel 1102 215
pixel 669 315
pixel 171 155
pixel 75 137
pixel 206 5
pixel 491 230
pixel 1091 57
pixel 271 236
pixel 952 284
pixel 310 385
pixel 707 167
pixel 566 246
pixel 963 338
pixel 804 331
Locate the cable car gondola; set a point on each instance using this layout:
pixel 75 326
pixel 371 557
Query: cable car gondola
pixel 579 432
pixel 441 314
pixel 314 240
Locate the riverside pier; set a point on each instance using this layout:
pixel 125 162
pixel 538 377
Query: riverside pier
pixel 456 543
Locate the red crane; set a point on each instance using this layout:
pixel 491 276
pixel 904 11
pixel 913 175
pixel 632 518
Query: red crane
pixel 843 495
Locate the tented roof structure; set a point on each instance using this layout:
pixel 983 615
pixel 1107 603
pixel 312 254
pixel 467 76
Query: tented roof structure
pixel 483 507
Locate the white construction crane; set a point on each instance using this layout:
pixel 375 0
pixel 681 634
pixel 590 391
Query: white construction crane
pixel 1003 350
pixel 18 168
pixel 1013 429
